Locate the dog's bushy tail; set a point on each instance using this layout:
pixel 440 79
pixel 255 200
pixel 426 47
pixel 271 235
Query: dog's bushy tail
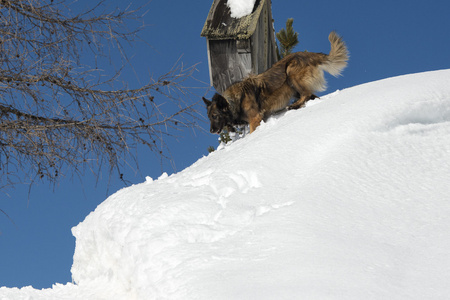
pixel 338 56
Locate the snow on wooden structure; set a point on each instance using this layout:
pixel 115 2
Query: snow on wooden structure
pixel 238 47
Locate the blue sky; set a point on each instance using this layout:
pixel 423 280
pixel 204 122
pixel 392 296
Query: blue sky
pixel 386 38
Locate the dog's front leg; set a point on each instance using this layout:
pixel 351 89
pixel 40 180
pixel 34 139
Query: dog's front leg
pixel 254 121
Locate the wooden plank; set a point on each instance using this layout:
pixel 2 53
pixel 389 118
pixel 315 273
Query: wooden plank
pixel 227 65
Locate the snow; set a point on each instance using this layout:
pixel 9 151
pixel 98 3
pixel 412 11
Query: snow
pixel 347 198
pixel 240 8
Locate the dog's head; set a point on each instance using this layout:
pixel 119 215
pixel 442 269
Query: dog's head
pixel 219 113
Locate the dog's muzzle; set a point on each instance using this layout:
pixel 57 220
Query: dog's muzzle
pixel 215 131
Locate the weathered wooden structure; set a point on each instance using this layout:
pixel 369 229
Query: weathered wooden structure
pixel 238 47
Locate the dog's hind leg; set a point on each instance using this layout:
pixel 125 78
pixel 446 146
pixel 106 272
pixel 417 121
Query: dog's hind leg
pixel 300 102
pixel 296 77
pixel 297 95
pixel 304 96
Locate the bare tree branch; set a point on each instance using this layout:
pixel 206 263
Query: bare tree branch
pixel 59 115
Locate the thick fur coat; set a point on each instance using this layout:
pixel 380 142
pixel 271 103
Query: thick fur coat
pixel 297 76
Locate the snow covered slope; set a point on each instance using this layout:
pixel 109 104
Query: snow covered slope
pixel 348 198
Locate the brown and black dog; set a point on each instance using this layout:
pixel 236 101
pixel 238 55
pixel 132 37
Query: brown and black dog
pixel 298 75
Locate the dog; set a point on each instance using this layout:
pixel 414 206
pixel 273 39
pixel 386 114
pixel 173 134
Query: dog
pixel 297 76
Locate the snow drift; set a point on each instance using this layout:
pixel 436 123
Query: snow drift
pixel 347 198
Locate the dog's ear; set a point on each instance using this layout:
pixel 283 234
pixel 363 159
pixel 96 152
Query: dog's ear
pixel 207 102
pixel 221 102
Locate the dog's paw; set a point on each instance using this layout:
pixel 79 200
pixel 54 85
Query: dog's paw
pixel 293 106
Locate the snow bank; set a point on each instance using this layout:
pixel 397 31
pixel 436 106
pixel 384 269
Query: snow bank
pixel 347 198
pixel 240 8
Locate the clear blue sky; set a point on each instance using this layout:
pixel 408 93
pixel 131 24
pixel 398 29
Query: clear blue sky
pixel 386 38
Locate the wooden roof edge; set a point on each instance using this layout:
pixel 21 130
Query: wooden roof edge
pixel 240 28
